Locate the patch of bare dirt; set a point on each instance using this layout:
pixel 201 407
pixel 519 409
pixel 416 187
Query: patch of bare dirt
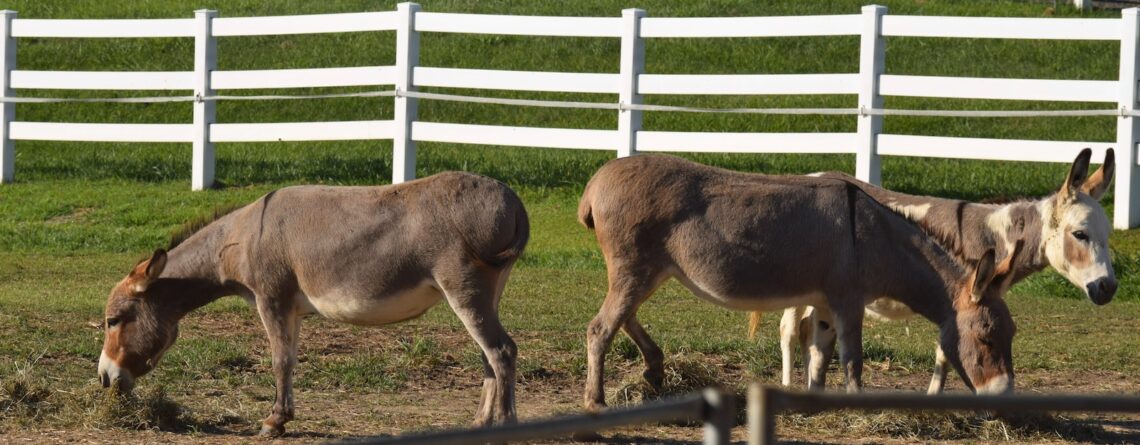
pixel 76 215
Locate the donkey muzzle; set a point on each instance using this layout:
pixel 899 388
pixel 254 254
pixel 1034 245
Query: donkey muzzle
pixel 1101 290
pixel 110 374
pixel 1001 384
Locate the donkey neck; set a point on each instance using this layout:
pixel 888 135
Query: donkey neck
pixel 193 265
pixel 967 230
pixel 924 277
pixel 907 264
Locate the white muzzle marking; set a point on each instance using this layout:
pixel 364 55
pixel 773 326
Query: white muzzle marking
pixel 110 373
pixel 997 385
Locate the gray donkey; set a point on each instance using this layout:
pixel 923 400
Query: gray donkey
pixel 360 255
pixel 755 242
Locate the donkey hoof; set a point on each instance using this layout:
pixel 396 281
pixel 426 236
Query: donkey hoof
pixel 272 430
pixel 656 381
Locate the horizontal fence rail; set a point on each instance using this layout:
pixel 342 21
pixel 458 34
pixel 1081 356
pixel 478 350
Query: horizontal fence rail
pixel 713 407
pixel 765 402
pixel 630 83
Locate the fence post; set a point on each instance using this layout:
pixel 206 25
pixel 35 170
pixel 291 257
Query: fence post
pixel 7 109
pixel 205 62
pixel 872 54
pixel 1126 214
pixel 407 57
pixel 761 414
pixel 632 65
pixel 719 416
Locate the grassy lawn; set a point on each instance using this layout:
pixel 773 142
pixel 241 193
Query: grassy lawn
pixel 82 213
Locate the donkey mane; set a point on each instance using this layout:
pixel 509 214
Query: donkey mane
pixel 194 225
pixel 1001 200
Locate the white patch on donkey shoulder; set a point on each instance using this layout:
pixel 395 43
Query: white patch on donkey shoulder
pixel 911 212
pixel 998 223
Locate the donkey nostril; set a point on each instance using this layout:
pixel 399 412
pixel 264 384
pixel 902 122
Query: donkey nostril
pixel 1109 287
pixel 105 380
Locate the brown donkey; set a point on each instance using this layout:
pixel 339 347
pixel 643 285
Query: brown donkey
pixel 1067 230
pixel 755 242
pixel 360 255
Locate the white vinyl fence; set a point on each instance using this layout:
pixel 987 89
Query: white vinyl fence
pixel 630 84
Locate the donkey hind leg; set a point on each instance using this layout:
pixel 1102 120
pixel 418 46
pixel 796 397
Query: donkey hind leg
pixel 819 353
pixel 627 291
pixel 941 367
pixel 282 325
pixel 477 306
pixel 650 352
pixel 849 328
pixel 487 398
pixel 790 332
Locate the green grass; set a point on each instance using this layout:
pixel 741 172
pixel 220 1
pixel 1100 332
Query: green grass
pixel 82 213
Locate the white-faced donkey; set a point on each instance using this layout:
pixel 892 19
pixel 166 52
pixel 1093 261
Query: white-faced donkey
pixel 360 255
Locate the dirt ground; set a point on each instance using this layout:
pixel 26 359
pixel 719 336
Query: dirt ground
pixel 445 396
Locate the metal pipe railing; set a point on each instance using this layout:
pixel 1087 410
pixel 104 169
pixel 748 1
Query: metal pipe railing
pixel 765 402
pixel 713 406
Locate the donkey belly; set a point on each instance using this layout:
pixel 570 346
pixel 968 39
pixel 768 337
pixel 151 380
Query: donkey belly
pixel 739 300
pixel 374 310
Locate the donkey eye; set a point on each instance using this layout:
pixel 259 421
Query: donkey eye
pixel 1081 235
pixel 112 322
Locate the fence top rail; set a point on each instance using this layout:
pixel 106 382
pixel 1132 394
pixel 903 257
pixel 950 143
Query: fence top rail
pixel 691 406
pixel 651 27
pixel 802 401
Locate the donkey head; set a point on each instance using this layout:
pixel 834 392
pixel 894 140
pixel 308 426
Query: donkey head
pixel 1075 233
pixel 979 340
pixel 139 329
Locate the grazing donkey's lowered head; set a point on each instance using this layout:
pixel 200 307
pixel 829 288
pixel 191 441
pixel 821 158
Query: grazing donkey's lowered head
pixel 139 329
pixel 979 341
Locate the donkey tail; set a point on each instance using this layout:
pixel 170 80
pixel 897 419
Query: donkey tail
pixel 522 235
pixel 753 323
pixel 585 208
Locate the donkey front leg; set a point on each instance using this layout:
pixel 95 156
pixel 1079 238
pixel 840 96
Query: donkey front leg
pixel 941 367
pixel 282 325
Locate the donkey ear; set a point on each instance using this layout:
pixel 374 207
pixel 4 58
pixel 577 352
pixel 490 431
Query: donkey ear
pixel 1098 182
pixel 1006 266
pixel 983 275
pixel 156 264
pixel 147 271
pixel 1077 175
